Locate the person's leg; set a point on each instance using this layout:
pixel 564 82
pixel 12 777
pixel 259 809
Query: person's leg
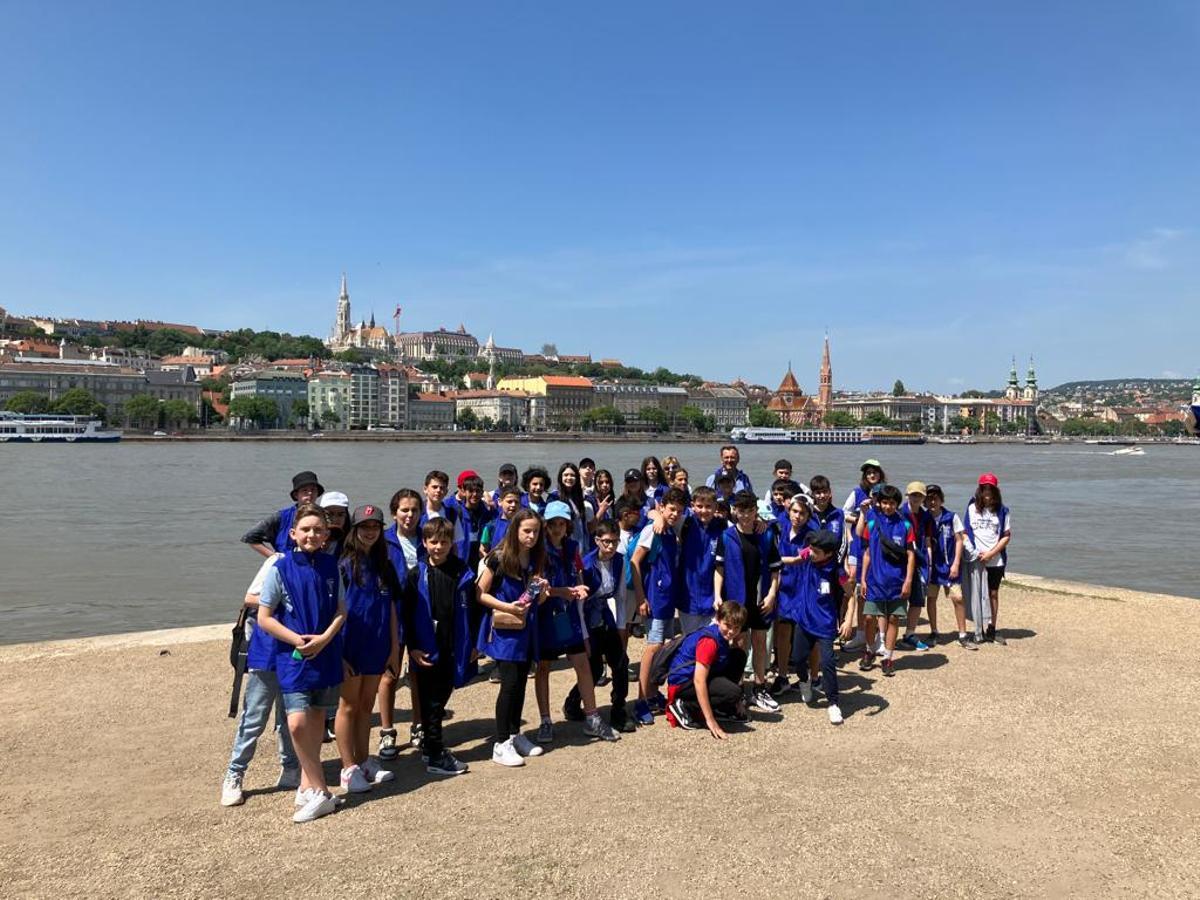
pixel 893 629
pixel 256 712
pixel 433 707
pixel 802 648
pixel 960 613
pixel 414 694
pixel 344 723
pixel 517 697
pixel 618 663
pixel 783 646
pixel 724 694
pixel 287 750
pixel 644 669
pixel 510 675
pixel 931 598
pixel 387 701
pixel 584 680
pixel 368 691
pixel 541 689
pixel 758 643
pixel 828 669
pixel 308 730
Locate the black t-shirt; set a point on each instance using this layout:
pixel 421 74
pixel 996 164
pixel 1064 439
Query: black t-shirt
pixel 443 580
pixel 752 561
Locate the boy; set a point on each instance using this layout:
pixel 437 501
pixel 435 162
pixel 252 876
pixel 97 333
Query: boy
pixel 628 515
pixel 472 516
pixel 888 563
pixel 724 487
pixel 438 598
pixel 508 502
pixel 783 470
pixel 405 550
pixel 825 515
pixel 705 676
pixel 656 586
pixel 437 483
pixel 913 509
pixel 587 477
pixel 775 511
pixel 945 571
pixel 270 536
pixel 699 540
pixel 603 569
pixel 818 594
pixel 536 482
pixel 747 571
pixel 505 478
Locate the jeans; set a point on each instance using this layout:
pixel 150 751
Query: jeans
pixel 802 645
pixel 434 685
pixel 511 699
pixel 262 693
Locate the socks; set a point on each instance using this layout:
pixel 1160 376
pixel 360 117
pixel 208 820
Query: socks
pixel 545 720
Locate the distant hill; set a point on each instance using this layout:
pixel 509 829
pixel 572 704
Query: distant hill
pixel 1121 384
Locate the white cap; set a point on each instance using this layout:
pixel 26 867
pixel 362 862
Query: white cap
pixel 333 498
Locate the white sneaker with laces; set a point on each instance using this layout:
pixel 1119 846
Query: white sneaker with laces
pixel 231 790
pixel 525 746
pixel 288 779
pixel 374 771
pixel 355 781
pixel 764 702
pixel 316 804
pixel 806 691
pixel 835 715
pixel 505 754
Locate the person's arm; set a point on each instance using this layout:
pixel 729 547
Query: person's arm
pixel 768 604
pixel 309 645
pixel 486 599
pixel 866 567
pixel 639 588
pixel 909 568
pixel 261 537
pixel 700 682
pixel 718 584
pixel 956 563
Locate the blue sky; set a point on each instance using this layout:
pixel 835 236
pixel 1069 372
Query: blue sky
pixel 699 185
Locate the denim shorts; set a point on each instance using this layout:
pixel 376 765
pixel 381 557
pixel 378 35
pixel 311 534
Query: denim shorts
pixel 656 631
pixel 301 701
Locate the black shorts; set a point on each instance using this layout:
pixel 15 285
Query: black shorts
pixel 754 618
pixel 995 576
pixel 549 654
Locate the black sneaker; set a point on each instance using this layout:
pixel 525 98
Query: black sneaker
pixel 999 638
pixel 387 743
pixel 933 638
pixel 415 735
pixel 967 642
pixel 620 721
pixel 867 661
pixel 989 634
pixel 889 667
pixel 603 680
pixel 681 717
pixel 446 764
pixel 573 712
pixel 780 685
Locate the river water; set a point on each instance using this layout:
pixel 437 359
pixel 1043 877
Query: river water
pixel 111 538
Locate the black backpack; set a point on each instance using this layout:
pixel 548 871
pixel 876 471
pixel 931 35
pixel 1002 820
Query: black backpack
pixel 660 666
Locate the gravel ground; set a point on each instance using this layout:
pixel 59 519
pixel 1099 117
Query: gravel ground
pixel 1065 764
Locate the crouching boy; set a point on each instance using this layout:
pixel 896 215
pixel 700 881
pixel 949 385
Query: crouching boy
pixel 705 677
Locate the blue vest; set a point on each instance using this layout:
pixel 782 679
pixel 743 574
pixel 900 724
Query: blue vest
pixel 311 583
pixel 1003 527
pixel 818 598
pixel 741 481
pixel 423 632
pixel 499 529
pixel 856 547
pixel 661 582
pixel 367 634
pixel 560 572
pixel 943 546
pixel 886 580
pixel 468 529
pixel 733 583
pixel 283 542
pixel 699 554
pixel 595 607
pixel 449 513
pixel 509 644
pixel 790 575
pixel 833 519
pixel 398 558
pixel 683 666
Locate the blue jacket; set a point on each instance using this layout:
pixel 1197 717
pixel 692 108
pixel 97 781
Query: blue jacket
pixel 367 634
pixel 661 580
pixel 816 599
pixel 560 572
pixel 741 481
pixel 943 548
pixel 595 607
pixel 733 586
pixel 885 580
pixel 509 644
pixel 790 575
pixel 422 629
pixel 311 584
pixel 283 540
pixel 699 560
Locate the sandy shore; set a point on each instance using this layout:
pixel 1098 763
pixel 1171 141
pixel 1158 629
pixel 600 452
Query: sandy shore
pixel 1065 764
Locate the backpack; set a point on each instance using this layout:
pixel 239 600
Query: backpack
pixel 660 666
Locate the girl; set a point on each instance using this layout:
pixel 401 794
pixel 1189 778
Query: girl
pixel 988 528
pixel 370 644
pixel 299 607
pixel 536 482
pixel 508 502
pixel 945 572
pixel 511 588
pixel 604 497
pixel 561 628
pixel 405 550
pixel 871 474
pixel 792 540
pixel 570 492
pixel 652 475
pixel 669 464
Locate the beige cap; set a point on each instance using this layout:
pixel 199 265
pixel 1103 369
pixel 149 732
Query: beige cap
pixel 915 487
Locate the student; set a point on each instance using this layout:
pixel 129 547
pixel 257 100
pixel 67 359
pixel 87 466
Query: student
pixel 635 489
pixel 561 629
pixel 782 470
pixel 262 695
pixel 337 518
pixel 508 503
pixel 437 483
pixel 657 586
pixel 698 551
pixel 438 598
pixel 652 475
pixel 603 570
pixel 946 571
pixel 679 479
pixel 888 564
pixel 603 497
pixel 793 541
pixel 370 644
pixel 270 536
pixel 704 681
pixel 300 608
pixel 747 571
pixel 628 515
pixel 871 474
pixel 923 527
pixel 814 606
pixel 825 515
pixel 724 487
pixel 570 492
pixel 988 528
pixel 404 548
pixel 775 511
pixel 730 458
pixel 536 482
pixel 506 477
pixel 471 517
pixel 670 465
pixel 587 477
pixel 511 588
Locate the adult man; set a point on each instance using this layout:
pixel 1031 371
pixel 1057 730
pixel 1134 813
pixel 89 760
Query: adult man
pixel 729 466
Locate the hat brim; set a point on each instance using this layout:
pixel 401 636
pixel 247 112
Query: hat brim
pixel 320 488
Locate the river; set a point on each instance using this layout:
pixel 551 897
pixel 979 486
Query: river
pixel 112 538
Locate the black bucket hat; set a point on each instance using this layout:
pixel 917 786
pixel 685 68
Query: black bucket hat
pixel 304 478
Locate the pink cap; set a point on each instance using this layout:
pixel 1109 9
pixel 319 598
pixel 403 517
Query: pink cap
pixel 989 478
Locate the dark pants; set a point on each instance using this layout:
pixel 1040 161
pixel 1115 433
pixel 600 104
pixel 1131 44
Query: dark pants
pixel 802 645
pixel 434 685
pixel 724 689
pixel 605 645
pixel 511 699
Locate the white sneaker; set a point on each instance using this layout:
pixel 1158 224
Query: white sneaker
pixel 231 790
pixel 856 643
pixel 288 779
pixel 762 701
pixel 806 691
pixel 316 804
pixel 525 746
pixel 374 771
pixel 880 650
pixel 505 754
pixel 835 715
pixel 354 781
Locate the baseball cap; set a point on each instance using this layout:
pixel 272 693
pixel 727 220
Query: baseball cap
pixel 824 539
pixel 333 498
pixel 556 509
pixel 989 478
pixel 301 479
pixel 368 513
pixel 915 487
pixel 633 474
pixel 465 474
pixel 508 469
pixel 871 463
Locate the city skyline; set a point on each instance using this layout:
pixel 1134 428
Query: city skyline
pixel 939 187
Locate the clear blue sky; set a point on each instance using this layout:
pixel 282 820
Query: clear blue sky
pixel 700 185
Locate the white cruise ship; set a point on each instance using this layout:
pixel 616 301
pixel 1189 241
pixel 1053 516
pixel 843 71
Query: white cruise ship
pixel 37 428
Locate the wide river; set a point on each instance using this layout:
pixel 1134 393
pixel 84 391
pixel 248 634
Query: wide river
pixel 113 538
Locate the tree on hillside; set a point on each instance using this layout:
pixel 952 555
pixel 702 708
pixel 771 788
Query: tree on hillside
pixel 695 417
pixel 467 419
pixel 659 419
pixel 177 413
pixel 761 417
pixel 549 350
pixel 898 389
pixel 28 402
pixel 299 411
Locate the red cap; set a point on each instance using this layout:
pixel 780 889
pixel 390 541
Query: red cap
pixel 989 478
pixel 464 475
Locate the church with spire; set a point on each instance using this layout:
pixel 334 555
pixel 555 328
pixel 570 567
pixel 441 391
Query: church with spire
pixel 796 409
pixel 363 336
pixel 1014 391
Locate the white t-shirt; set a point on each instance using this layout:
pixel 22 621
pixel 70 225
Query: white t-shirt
pixel 256 585
pixel 986 525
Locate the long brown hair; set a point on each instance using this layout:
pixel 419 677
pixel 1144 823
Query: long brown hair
pixel 356 557
pixel 509 549
pixel 979 492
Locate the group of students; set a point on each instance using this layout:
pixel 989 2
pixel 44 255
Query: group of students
pixel 730 593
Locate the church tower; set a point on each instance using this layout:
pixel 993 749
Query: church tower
pixel 1013 391
pixel 489 350
pixel 341 324
pixel 825 389
pixel 1031 389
